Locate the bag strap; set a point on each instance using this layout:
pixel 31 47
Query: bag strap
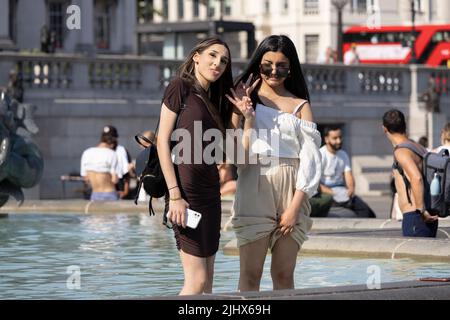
pixel 140 137
pixel 166 222
pixel 419 150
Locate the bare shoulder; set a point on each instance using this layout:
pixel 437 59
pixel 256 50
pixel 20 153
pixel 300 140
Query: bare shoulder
pixel 304 112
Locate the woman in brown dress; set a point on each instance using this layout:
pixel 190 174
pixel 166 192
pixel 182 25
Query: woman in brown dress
pixel 197 97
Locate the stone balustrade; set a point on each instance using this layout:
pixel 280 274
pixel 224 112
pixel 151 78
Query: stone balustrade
pixel 136 73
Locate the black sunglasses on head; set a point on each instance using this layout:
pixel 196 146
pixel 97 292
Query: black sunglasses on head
pixel 280 72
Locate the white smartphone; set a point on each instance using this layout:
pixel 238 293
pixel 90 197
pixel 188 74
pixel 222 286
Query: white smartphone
pixel 192 218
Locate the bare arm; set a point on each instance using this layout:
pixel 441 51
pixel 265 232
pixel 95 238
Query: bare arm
pixel 349 182
pixel 114 178
pixel 235 120
pixel 245 106
pixel 306 113
pixel 126 189
pixel 412 172
pixel 177 206
pixel 406 161
pixel 325 189
pixel 288 218
pixel 246 139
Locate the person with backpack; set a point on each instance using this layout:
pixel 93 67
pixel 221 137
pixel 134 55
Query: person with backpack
pixel 195 96
pixel 409 179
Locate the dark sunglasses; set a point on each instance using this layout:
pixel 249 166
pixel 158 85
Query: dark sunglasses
pixel 280 72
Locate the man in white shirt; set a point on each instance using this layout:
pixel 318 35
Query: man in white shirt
pixel 337 178
pixel 99 168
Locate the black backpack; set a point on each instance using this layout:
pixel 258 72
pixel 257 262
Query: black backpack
pixel 437 164
pixel 432 163
pixel 148 169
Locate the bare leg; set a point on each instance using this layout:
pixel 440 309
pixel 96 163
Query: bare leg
pixel 195 274
pixel 284 260
pixel 251 257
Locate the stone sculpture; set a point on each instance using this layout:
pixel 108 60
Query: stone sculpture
pixel 21 162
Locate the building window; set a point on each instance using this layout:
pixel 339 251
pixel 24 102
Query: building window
pixel 311 48
pixel 56 23
pixel 266 6
pixel 419 6
pixel 211 8
pixel 102 24
pixel 165 9
pixel 145 11
pixel 311 7
pixel 196 8
pixel 358 6
pixel 228 7
pixel 180 9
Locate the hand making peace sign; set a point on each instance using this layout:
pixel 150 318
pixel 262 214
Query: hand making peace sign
pixel 241 97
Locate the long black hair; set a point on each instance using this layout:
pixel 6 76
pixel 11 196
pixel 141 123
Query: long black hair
pixel 215 101
pixel 295 83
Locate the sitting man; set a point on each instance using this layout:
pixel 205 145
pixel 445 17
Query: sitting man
pixel 99 167
pixel 337 178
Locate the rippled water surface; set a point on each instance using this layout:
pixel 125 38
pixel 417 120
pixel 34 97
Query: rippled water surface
pixel 133 255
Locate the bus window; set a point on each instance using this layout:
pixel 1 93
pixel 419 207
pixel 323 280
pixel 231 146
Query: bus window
pixel 390 37
pixel 438 37
pixel 447 36
pixel 374 39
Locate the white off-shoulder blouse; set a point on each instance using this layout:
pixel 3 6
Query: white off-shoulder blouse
pixel 284 135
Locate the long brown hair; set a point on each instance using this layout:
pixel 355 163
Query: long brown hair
pixel 215 101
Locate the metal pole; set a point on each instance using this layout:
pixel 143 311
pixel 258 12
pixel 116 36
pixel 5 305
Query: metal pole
pixel 339 5
pixel 413 34
pixel 340 40
pixel 222 9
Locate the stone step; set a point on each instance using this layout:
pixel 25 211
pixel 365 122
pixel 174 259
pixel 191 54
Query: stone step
pixel 372 163
pixel 366 170
pixel 369 182
pixel 372 174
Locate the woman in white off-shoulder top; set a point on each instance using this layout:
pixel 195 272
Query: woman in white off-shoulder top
pixel 283 164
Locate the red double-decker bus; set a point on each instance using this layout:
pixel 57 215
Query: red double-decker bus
pixel 390 44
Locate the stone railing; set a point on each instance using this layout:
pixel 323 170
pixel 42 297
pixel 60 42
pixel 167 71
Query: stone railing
pixel 138 73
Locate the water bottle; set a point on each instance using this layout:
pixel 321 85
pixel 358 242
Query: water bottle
pixel 435 186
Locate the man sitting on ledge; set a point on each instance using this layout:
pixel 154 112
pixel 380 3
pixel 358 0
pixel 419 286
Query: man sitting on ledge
pixel 337 178
pixel 99 168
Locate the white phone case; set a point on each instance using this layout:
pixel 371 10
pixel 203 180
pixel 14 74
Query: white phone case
pixel 192 218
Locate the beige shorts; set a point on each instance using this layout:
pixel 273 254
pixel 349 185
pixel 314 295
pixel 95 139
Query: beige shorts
pixel 262 196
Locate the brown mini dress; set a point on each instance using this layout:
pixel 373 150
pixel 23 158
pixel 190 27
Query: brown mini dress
pixel 199 183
